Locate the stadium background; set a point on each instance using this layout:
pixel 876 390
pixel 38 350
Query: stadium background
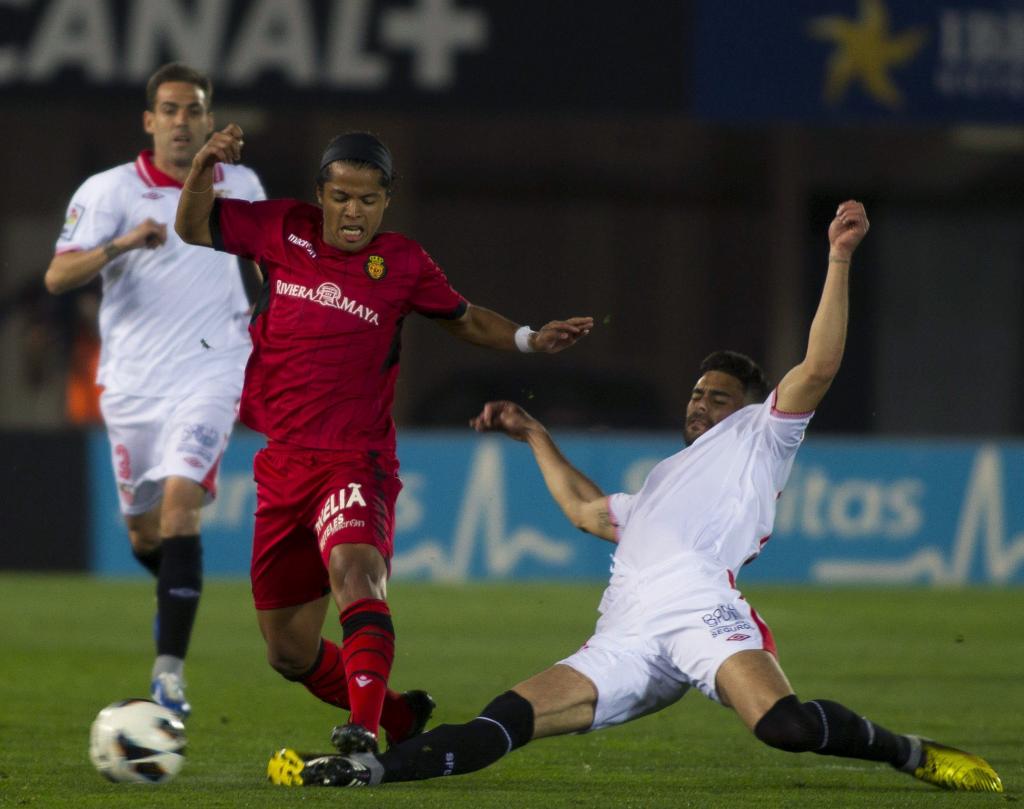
pixel 671 171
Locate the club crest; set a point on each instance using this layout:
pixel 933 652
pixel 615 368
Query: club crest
pixel 375 267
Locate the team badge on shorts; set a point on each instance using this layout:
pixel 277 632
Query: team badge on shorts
pixel 375 267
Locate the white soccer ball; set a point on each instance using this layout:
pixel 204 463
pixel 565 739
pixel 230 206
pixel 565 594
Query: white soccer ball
pixel 138 741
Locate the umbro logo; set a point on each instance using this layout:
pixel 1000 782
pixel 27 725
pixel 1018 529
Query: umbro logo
pixel 738 636
pixel 362 680
pixel 152 195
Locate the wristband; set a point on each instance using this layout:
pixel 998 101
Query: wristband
pixel 523 335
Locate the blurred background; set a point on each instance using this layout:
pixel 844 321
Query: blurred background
pixel 667 167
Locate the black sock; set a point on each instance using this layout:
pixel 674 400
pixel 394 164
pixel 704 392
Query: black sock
pixel 150 559
pixel 505 724
pixel 829 729
pixel 853 736
pixel 178 587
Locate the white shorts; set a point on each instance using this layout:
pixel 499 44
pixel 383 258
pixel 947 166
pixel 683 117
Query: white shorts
pixel 153 438
pixel 642 659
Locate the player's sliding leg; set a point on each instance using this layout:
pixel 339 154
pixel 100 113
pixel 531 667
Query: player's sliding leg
pixel 554 702
pixel 828 728
pixel 179 586
pixel 748 681
pixel 504 725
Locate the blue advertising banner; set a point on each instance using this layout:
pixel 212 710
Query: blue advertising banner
pixel 826 61
pixel 939 513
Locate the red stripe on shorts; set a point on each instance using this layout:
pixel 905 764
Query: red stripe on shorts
pixel 767 638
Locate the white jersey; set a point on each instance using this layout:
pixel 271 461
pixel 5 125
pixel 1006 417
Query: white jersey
pixel 715 499
pixel 174 318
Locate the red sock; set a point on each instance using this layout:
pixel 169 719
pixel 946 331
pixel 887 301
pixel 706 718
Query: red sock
pixel 368 651
pixel 326 681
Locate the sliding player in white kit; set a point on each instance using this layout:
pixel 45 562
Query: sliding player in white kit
pixel 671 617
pixel 173 325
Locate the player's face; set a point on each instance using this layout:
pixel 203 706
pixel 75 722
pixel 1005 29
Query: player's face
pixel 179 122
pixel 716 396
pixel 354 202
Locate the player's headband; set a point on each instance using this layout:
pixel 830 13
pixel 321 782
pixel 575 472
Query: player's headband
pixel 361 147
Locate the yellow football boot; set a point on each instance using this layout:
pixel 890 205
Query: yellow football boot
pixel 285 768
pixel 950 768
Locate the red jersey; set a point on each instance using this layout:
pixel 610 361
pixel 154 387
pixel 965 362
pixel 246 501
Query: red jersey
pixel 326 332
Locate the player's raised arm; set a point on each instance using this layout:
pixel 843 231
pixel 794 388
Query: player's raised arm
pixel 801 390
pixel 484 327
pixel 193 221
pixel 580 499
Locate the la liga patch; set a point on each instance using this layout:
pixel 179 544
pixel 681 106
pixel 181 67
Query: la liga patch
pixel 71 220
pixel 375 267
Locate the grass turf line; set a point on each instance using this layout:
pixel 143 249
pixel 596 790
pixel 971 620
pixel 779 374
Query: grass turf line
pixel 941 663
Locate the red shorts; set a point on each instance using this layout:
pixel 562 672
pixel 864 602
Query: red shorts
pixel 308 501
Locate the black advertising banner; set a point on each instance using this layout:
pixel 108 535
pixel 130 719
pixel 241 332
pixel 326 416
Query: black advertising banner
pixel 521 54
pixel 46 519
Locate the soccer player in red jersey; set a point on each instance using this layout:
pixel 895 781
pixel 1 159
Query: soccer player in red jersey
pixel 319 384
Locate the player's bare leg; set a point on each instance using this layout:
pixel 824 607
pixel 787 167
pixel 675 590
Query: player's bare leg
pixel 753 684
pixel 292 635
pixel 562 699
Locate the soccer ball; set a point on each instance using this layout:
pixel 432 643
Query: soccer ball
pixel 138 741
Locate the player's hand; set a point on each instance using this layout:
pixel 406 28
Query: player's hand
pixel 149 234
pixel 224 146
pixel 504 417
pixel 847 229
pixel 560 334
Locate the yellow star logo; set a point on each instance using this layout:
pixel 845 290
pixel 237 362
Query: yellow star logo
pixel 865 52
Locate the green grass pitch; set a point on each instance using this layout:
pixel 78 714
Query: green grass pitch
pixel 942 663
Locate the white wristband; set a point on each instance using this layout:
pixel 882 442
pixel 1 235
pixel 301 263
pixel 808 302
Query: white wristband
pixel 523 335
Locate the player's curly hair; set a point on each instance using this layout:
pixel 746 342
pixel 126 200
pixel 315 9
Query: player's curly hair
pixel 748 372
pixel 176 71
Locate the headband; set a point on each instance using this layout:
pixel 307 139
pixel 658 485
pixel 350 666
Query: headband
pixel 361 147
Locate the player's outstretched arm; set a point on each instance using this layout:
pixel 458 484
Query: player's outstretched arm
pixel 487 328
pixel 193 220
pixel 76 268
pixel 802 389
pixel 580 499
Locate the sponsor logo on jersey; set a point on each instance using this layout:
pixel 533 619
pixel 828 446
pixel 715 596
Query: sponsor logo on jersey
pixel 375 267
pixel 738 636
pixel 193 461
pixel 303 243
pixel 152 195
pixel 722 614
pixel 722 630
pixel 71 220
pixel 329 294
